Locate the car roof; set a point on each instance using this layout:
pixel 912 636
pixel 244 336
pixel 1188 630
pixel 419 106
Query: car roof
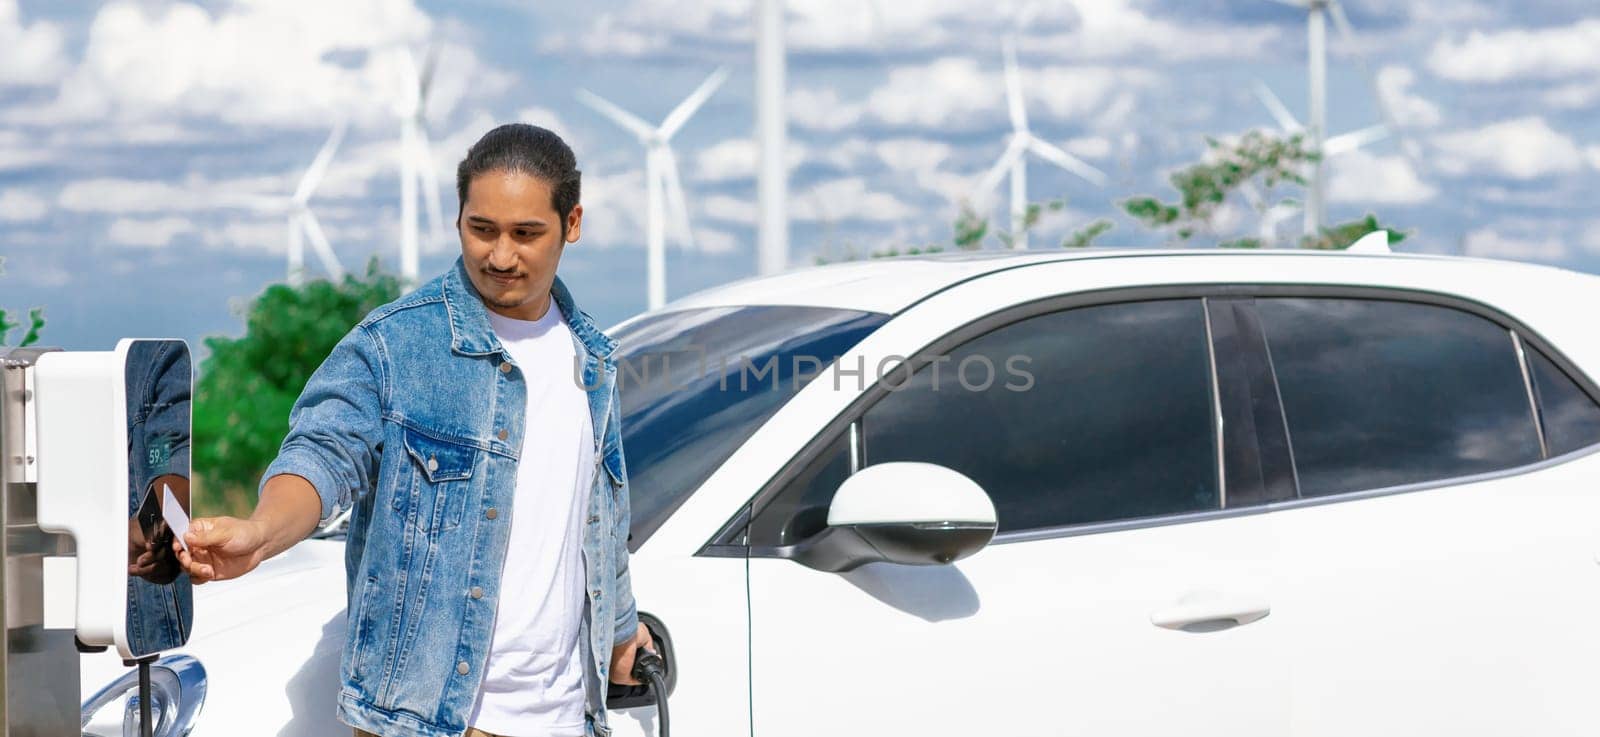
pixel 889 285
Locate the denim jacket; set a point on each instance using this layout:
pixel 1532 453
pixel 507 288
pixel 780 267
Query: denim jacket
pixel 416 419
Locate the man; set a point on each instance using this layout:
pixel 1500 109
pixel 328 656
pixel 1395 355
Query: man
pixel 486 561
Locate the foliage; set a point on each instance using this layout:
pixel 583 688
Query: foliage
pixel 1339 237
pixel 1255 162
pixel 247 385
pixel 1085 237
pixel 35 322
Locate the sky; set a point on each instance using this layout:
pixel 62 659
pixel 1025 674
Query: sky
pixel 139 138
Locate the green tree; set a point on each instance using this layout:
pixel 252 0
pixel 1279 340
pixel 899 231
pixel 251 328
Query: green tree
pixel 35 321
pixel 247 385
pixel 1252 167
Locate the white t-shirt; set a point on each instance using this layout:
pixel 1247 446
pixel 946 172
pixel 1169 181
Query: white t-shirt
pixel 533 682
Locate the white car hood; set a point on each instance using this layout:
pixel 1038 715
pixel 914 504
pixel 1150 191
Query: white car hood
pixel 270 643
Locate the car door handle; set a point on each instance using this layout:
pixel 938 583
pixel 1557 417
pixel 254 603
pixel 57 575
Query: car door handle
pixel 1205 611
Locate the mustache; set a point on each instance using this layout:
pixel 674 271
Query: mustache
pixel 491 271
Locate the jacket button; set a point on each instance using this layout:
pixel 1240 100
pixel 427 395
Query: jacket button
pixel 505 367
pixel 492 513
pixel 502 434
pixel 477 592
pixel 462 667
pixel 433 463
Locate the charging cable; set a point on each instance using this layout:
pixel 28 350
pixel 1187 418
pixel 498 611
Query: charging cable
pixel 649 667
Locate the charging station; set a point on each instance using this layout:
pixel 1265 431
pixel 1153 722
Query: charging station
pixel 95 452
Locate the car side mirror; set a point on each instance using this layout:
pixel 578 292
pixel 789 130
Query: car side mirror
pixel 901 512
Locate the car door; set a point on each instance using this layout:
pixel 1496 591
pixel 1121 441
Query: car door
pixel 1124 594
pixel 1436 574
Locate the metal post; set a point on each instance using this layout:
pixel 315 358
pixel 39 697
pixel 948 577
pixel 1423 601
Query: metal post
pixel 39 666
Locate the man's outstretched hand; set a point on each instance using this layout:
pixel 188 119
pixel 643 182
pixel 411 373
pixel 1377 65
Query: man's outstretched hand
pixel 221 548
pixel 622 656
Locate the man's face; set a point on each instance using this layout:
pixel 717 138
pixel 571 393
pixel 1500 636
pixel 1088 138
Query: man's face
pixel 511 241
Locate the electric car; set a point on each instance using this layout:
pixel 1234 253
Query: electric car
pixel 1085 492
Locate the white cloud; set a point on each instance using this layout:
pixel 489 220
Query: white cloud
pixel 21 206
pixel 29 54
pixel 1491 243
pixel 1394 84
pixel 1358 176
pixel 736 159
pixel 1574 96
pixel 288 63
pixel 912 154
pixel 729 209
pixel 712 240
pixel 958 91
pixel 822 109
pixel 847 198
pixel 1499 56
pixel 254 235
pixel 135 196
pixel 1091 147
pixel 1080 29
pixel 1520 148
pixel 148 233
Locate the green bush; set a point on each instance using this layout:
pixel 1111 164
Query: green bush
pixel 247 385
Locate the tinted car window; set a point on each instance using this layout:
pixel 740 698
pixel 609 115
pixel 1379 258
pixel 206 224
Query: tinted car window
pixel 1571 418
pixel 1379 393
pixel 1085 415
pixel 694 384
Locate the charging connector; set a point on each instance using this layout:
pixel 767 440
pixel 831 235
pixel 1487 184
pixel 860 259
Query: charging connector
pixel 649 667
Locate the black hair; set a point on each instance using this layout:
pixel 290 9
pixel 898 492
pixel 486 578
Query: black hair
pixel 526 149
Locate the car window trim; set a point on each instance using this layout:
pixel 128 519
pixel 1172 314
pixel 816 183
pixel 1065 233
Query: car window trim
pixel 722 544
pixel 1533 399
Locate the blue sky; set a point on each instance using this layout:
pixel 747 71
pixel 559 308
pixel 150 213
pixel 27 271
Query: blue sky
pixel 130 132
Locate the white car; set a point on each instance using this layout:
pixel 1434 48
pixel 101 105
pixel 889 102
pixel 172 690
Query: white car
pixel 1236 493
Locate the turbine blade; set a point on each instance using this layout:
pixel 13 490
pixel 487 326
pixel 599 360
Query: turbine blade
pixel 1346 32
pixel 1275 106
pixel 319 243
pixel 1055 155
pixel 426 168
pixel 1002 166
pixel 410 84
pixel 677 206
pixel 690 104
pixel 319 165
pixel 430 61
pixel 1347 142
pixel 617 115
pixel 1014 100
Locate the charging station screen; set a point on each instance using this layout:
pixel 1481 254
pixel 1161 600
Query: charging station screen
pixel 160 596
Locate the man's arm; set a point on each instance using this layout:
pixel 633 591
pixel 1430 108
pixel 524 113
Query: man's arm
pixel 628 633
pixel 328 458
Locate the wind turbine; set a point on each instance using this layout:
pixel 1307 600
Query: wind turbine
pixel 302 222
pixel 661 175
pixel 416 161
pixel 1317 14
pixel 1014 159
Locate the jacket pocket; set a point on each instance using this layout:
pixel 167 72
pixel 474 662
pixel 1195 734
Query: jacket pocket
pixel 441 481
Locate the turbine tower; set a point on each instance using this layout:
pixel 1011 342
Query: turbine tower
pixel 416 163
pixel 1317 14
pixel 302 223
pixel 661 175
pixel 1014 159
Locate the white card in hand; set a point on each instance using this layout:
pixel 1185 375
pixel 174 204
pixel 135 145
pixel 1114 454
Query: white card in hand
pixel 173 512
